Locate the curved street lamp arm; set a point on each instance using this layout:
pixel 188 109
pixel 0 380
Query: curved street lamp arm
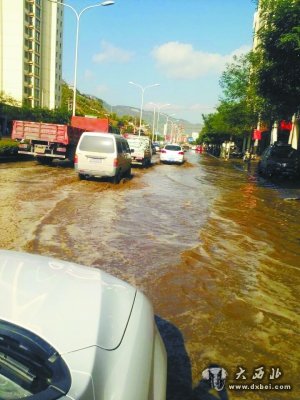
pixel 78 15
pixel 66 5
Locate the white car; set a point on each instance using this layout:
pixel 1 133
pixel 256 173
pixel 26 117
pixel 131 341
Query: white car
pixel 74 332
pixel 101 154
pixel 140 149
pixel 172 153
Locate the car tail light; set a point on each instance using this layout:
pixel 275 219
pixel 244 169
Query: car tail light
pixel 76 159
pixel 163 151
pixel 181 153
pixel 116 163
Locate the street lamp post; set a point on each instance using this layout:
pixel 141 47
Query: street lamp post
pixel 176 130
pixel 167 121
pixel 78 15
pixel 173 131
pixel 153 126
pixel 142 102
pixel 158 107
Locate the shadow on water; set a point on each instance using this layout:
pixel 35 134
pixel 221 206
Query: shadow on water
pixel 179 378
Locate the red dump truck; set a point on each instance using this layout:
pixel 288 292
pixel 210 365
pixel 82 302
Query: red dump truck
pixel 47 141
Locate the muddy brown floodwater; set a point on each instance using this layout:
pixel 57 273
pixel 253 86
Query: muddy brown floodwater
pixel 216 249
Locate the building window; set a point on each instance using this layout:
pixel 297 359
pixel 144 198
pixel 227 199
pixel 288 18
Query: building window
pixel 28 43
pixel 36 81
pixel 36 93
pixel 37 70
pixel 37 48
pixel 29 19
pixel 37 36
pixel 37 59
pixel 28 56
pixel 29 7
pixel 28 68
pixel 28 91
pixel 38 12
pixel 37 24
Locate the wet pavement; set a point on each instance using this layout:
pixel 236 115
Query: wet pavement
pixel 215 248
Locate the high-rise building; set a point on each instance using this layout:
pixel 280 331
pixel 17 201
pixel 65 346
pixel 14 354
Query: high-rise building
pixel 31 51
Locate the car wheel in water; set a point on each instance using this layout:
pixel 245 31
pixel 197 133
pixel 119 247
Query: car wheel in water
pixel 81 177
pixel 116 179
pixel 128 173
pixel 259 169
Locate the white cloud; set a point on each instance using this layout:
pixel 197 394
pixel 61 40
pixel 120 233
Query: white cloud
pixel 110 53
pixel 101 89
pixel 202 108
pixel 88 74
pixel 182 61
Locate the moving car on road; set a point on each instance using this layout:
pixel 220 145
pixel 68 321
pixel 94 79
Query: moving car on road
pixel 279 160
pixel 157 146
pixel 141 151
pixel 101 155
pixel 172 153
pixel 73 332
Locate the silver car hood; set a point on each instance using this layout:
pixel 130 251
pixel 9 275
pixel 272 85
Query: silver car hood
pixel 70 306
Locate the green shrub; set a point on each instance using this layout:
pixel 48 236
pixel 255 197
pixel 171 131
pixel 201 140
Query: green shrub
pixel 8 147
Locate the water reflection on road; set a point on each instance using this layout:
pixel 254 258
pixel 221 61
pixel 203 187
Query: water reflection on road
pixel 217 252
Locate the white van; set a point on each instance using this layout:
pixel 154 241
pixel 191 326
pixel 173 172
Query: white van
pixel 141 151
pixel 100 154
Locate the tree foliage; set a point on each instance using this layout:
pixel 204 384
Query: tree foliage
pixel 265 83
pixel 277 61
pixel 235 114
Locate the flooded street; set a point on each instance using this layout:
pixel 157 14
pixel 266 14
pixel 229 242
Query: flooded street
pixel 216 250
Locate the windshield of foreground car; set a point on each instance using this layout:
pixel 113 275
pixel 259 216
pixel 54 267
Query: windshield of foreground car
pixel 29 366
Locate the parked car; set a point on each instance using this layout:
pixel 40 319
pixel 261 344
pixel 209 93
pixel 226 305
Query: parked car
pixel 236 152
pixel 186 147
pixel 74 332
pixel 157 146
pixel 279 160
pixel 153 149
pixel 102 155
pixel 172 153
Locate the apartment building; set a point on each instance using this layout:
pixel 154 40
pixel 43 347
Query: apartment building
pixel 31 36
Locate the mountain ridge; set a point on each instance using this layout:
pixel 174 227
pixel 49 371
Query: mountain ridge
pixel 147 116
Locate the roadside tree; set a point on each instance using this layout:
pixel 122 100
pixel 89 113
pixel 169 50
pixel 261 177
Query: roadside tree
pixel 276 63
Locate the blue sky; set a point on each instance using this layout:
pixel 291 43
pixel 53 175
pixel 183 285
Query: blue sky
pixel 182 45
